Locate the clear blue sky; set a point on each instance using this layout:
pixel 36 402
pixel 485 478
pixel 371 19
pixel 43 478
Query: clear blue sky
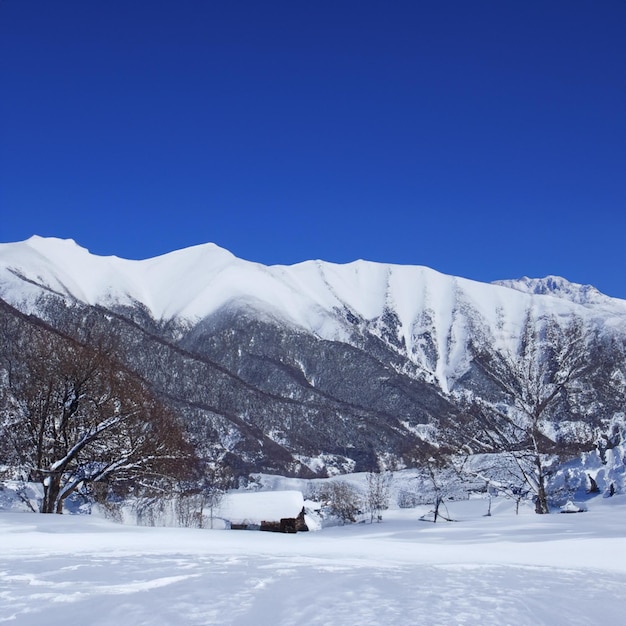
pixel 485 139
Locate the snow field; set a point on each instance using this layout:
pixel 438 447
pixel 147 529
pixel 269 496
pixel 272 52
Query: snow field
pixel 503 569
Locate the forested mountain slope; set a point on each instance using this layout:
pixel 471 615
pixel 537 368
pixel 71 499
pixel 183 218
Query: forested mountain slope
pixel 319 367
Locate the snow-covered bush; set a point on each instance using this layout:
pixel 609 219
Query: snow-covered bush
pixel 341 502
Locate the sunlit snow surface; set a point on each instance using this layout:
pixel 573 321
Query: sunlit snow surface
pixel 503 569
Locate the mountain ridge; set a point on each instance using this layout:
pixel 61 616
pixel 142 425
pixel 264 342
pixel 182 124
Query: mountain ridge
pixel 399 302
pixel 68 256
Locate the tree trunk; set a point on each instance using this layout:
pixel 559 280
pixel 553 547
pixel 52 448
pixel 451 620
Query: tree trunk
pixel 437 505
pixel 541 502
pixel 51 490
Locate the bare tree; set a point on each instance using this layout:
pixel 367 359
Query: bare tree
pixel 74 416
pixel 436 467
pixel 496 473
pixel 538 382
pixel 215 483
pixel 377 495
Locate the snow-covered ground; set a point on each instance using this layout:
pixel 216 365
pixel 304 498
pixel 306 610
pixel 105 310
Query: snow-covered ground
pixel 504 569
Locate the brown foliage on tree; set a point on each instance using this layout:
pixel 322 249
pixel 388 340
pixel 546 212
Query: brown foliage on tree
pixel 74 417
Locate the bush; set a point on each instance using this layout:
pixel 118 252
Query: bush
pixel 341 500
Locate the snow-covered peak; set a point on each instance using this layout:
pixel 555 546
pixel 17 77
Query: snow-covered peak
pixel 164 284
pixel 55 247
pixel 558 287
pixel 50 243
pixel 194 282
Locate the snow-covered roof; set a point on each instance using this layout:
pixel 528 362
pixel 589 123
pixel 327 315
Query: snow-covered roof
pixel 256 507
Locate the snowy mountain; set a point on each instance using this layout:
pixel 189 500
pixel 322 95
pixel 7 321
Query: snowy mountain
pixel 561 288
pixel 306 367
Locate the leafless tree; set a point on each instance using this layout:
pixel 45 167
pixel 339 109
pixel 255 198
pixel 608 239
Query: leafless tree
pixel 497 473
pixel 204 493
pixel 73 416
pixel 436 467
pixel 216 480
pixel 538 382
pixel 377 494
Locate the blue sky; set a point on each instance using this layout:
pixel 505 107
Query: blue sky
pixel 485 139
